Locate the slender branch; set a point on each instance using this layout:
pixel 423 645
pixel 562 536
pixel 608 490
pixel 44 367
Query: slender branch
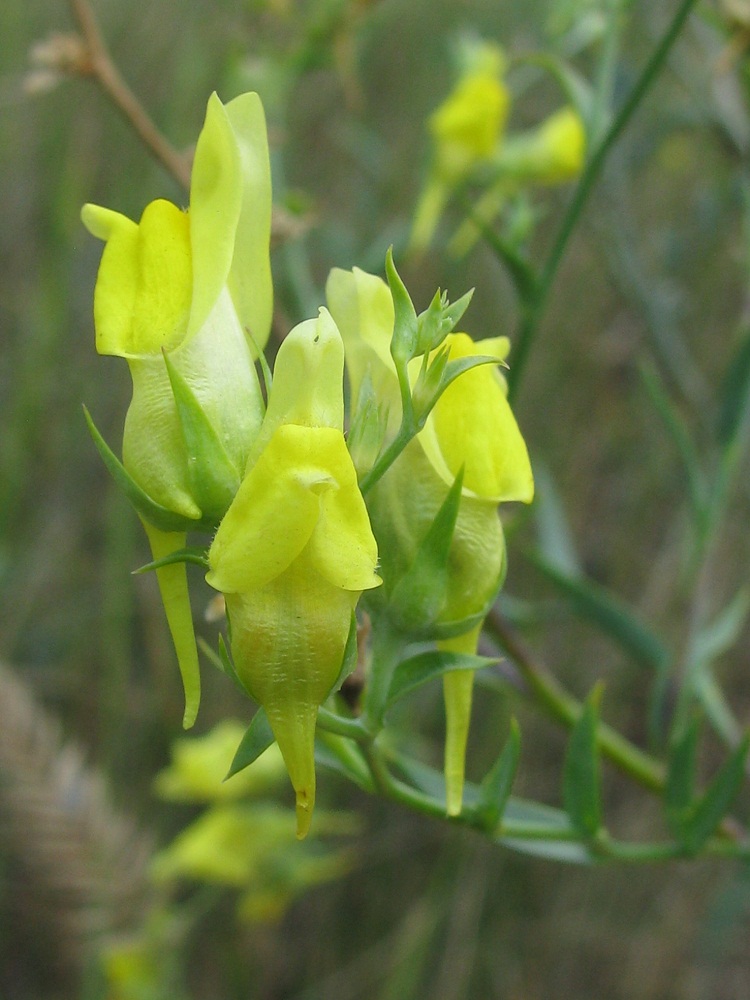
pixel 100 65
pixel 562 706
pixel 532 316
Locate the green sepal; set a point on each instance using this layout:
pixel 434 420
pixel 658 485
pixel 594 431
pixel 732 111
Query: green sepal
pixel 160 517
pixel 439 319
pixel 367 428
pixel 405 326
pixel 349 659
pixel 411 674
pixel 698 823
pixel 581 773
pixel 213 478
pixel 175 596
pixel 265 368
pixel 435 378
pixel 221 660
pixel 190 554
pixel 257 739
pixel 343 757
pixel 419 596
pixel 494 791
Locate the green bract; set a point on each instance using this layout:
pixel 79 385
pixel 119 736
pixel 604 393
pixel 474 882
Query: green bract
pixel 295 550
pixel 186 298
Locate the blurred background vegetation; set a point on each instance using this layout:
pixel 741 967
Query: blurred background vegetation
pixel 656 275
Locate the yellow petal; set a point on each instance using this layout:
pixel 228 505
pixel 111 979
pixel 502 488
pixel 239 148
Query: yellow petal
pixel 273 514
pixel 250 276
pixel 473 426
pixel 142 295
pixel 162 302
pixel 215 205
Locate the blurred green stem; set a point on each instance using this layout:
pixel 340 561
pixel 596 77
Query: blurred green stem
pixel 558 703
pixel 532 314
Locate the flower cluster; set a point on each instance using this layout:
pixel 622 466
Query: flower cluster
pixel 300 522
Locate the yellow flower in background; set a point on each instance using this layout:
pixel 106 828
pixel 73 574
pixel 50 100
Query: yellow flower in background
pixel 471 427
pixel 186 298
pixel 200 764
pixel 551 153
pixel 464 131
pixel 295 550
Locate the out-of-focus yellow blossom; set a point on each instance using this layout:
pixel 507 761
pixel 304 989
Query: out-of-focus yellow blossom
pixel 186 298
pixel 295 550
pixel 199 768
pixel 472 428
pixel 465 131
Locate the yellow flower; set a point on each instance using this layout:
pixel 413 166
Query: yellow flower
pixel 472 428
pixel 551 153
pixel 295 550
pixel 465 131
pixel 186 298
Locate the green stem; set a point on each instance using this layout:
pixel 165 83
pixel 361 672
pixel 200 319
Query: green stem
pixel 342 726
pixel 387 649
pixel 387 459
pixel 561 705
pixel 532 316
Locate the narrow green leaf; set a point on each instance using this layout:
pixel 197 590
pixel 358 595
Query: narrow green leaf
pixel 213 478
pixel 190 554
pixel 257 739
pixel 496 785
pixel 596 604
pixel 716 800
pixel 555 537
pixel 151 511
pixel 680 786
pixel 734 395
pixel 678 431
pixel 581 773
pixel 411 674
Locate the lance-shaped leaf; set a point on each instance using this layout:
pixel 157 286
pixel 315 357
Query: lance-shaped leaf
pixel 418 670
pixel 150 511
pixel 581 774
pixel 496 785
pixel 214 480
pixel 679 791
pixel 700 822
pixel 257 739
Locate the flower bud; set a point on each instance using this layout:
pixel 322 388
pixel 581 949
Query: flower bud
pixel 295 550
